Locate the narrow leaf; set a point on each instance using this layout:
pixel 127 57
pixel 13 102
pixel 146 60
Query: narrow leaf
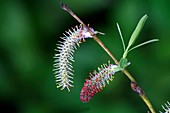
pixel 123 63
pixel 121 36
pixel 137 30
pixel 144 43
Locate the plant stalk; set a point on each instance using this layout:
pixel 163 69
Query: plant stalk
pixel 143 96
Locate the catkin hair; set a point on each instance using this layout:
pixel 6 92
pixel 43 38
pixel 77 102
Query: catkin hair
pixel 97 81
pixel 63 69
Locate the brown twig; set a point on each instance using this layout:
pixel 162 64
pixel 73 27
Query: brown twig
pixel 142 95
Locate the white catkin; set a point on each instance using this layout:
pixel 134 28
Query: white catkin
pixel 166 107
pixel 63 69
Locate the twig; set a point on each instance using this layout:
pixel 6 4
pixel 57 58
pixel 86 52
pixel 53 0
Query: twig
pixel 143 96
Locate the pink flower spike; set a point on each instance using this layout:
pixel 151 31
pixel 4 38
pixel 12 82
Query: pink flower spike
pixel 97 81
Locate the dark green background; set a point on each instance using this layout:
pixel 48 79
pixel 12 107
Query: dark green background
pixel 29 31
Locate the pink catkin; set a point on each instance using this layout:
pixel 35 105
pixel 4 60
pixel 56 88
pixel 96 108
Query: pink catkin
pixel 97 82
pixel 88 91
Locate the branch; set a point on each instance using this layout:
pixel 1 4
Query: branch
pixel 142 95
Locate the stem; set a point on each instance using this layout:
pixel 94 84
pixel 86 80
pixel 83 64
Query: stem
pixel 103 46
pixel 143 96
pixel 65 8
pixel 147 102
pixel 129 75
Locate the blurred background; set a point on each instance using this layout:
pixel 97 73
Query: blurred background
pixel 29 31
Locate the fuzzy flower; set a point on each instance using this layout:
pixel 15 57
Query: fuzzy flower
pixel 63 69
pixel 166 108
pixel 98 81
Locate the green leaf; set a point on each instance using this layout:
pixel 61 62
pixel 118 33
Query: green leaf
pixel 144 43
pixel 136 32
pixel 123 63
pixel 116 69
pixel 121 37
